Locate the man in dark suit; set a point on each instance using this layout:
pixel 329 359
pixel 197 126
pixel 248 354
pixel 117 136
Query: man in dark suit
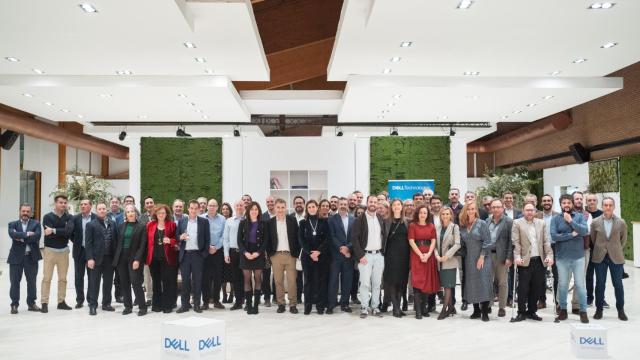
pixel 78 225
pixel 283 248
pixel 23 257
pixel 340 226
pixel 100 244
pixel 509 209
pixel 195 238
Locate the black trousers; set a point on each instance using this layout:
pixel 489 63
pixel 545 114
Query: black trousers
pixel 131 278
pixel 299 285
pixel 340 272
pixel 355 283
pixel 103 272
pixel 80 268
pixel 530 285
pixel 212 276
pixel 316 276
pixel 165 284
pixel 191 272
pixel 117 285
pixel 30 270
pixel 554 271
pixel 237 277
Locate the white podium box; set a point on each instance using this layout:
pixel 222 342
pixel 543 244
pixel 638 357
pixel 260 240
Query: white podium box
pixel 636 243
pixel 589 341
pixel 194 338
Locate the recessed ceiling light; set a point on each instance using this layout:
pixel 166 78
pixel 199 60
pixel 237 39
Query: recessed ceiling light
pixel 444 117
pixel 105 96
pixel 80 116
pixel 517 111
pixel 124 72
pixel 205 117
pixel 142 117
pixel 48 103
pixel 88 8
pixel 531 105
pixel 396 59
pixel 208 71
pixel 597 6
pixel 182 95
pixel 12 59
pixel 505 117
pixel 548 97
pixel 189 45
pixel 380 117
pixel 64 110
pixel 386 71
pixel 555 73
pixel 191 103
pixel 609 45
pixel 472 97
pixel 37 71
pixel 27 95
pixel 200 60
pixel 199 111
pixel 464 4
pixel 397 96
pixel 406 44
pixel 391 104
pixel 471 73
pixel 579 61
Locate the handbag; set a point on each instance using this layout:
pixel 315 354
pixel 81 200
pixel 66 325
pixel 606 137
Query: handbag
pixel 462 252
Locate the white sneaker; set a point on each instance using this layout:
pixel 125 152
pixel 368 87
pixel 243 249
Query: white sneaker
pixel 376 312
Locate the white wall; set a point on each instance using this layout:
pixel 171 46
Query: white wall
pixel 458 159
pixel 571 175
pixel 9 195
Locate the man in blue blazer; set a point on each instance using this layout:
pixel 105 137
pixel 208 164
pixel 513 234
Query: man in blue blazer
pixel 340 226
pixel 23 257
pixel 194 236
pixel 78 226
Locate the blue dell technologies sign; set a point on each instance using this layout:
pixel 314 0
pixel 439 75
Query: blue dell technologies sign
pixel 404 189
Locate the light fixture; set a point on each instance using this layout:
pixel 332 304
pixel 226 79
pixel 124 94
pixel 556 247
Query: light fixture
pixel 471 73
pixel 505 117
pixel 384 111
pixel 123 134
pixel 579 61
pixel 205 117
pixel 339 131
pixel 394 131
pixel 200 60
pixel 452 131
pixel 88 8
pixel 609 45
pixel 386 71
pixel 124 72
pixel 191 103
pixel 80 116
pixel 397 96
pixel 531 105
pixel 406 44
pixel 517 111
pixel 555 73
pixel 64 110
pixel 48 103
pixel 548 97
pixel 391 104
pixel 601 6
pixel 465 4
pixel 105 96
pixel 396 59
pixel 380 117
pixel 12 59
pixel 189 45
pixel 37 71
pixel 208 71
pixel 182 95
pixel 27 95
pixel 181 132
pixel 142 117
pixel 236 131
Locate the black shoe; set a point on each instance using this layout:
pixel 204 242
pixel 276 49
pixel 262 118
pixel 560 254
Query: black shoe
pixel 127 311
pixel 320 311
pixel 236 306
pixel 575 311
pixel 205 306
pixel 79 305
pixel 167 311
pixel 45 308
pixel 621 315
pixel 267 303
pixel 384 308
pixel 476 314
pixel 307 309
pixel 182 309
pixel 431 308
pixel 485 316
pixel 535 317
pixel 464 306
pixel 598 314
pixel 197 309
pixel 520 317
pixel 148 303
pixel 293 310
pixel 108 308
pixel 281 309
pixel 589 302
pixel 330 311
pixel 142 311
pixel 14 309
pixel 489 311
pixel 34 307
pixel 156 309
pixel 405 306
pixel 218 305
pixel 92 310
pixel 345 308
pixel 625 276
pixel 63 306
pixel 119 299
pixel 355 301
pixel 501 313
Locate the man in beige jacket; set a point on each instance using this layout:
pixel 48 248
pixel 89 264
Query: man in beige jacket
pixel 531 244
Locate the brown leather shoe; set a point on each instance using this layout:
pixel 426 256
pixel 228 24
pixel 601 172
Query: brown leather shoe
pixel 501 313
pixel 583 317
pixel 542 305
pixel 218 305
pixel 562 315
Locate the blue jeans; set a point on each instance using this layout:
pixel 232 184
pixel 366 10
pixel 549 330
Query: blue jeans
pixel 566 268
pixel 616 278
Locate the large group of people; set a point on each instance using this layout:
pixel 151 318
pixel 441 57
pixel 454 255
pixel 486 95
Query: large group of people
pixel 372 252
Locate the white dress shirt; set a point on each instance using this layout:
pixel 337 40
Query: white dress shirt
pixel 283 238
pixel 374 242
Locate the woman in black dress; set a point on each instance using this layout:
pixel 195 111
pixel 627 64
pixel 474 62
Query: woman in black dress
pixel 252 244
pixel 396 256
pixel 314 238
pixel 227 277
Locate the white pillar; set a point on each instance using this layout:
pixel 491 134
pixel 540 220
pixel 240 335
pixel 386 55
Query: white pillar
pixel 362 165
pixel 10 196
pixel 458 160
pixel 134 170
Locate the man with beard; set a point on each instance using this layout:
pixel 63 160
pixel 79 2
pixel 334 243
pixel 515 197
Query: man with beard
pixel 578 207
pixel 23 257
pixel 333 203
pixel 454 203
pixel 353 204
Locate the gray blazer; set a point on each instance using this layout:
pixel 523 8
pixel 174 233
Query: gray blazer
pixel 503 245
pixel 450 244
pixel 613 245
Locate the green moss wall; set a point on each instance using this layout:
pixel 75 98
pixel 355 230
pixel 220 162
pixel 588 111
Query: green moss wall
pixel 180 168
pixel 406 158
pixel 630 196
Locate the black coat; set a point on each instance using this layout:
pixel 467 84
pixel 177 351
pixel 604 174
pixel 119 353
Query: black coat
pixel 137 247
pixel 204 236
pixel 94 242
pixel 271 236
pixel 75 233
pixel 243 237
pixel 320 242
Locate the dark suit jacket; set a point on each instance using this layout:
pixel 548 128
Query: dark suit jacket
pixel 319 243
pixel 271 235
pixel 360 235
pixel 338 236
pixel 138 244
pixel 75 231
pixel 504 245
pixel 243 235
pixel 94 245
pixel 204 236
pixel 517 214
pixel 20 240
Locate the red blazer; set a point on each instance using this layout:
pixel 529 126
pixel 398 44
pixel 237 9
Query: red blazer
pixel 170 250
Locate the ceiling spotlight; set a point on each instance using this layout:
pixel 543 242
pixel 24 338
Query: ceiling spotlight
pixel 80 116
pixel 64 110
pixel 464 4
pixel 397 96
pixel 181 132
pixel 394 131
pixel 505 117
pixel 555 73
pixel 579 61
pixel 200 60
pixel 452 132
pixel 609 45
pixel 548 97
pixel 189 45
pixel 236 131
pixel 339 131
pixel 12 59
pixel 598 6
pixel 88 8
pixel 48 103
pixel 142 117
pixel 208 71
pixel 386 71
pixel 471 73
pixel 37 71
pixel 182 95
pixel 27 95
pixel 531 105
pixel 517 111
pixel 123 134
pixel 124 72
pixel 191 103
pixel 380 117
pixel 105 96
pixel 391 104
pixel 406 44
pixel 205 117
pixel 396 59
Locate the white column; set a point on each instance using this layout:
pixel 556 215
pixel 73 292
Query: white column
pixel 362 167
pixel 458 159
pixel 232 168
pixel 134 170
pixel 10 196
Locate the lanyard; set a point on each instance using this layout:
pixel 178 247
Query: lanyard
pixel 313 227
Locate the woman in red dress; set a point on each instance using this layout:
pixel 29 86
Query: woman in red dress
pixel 424 270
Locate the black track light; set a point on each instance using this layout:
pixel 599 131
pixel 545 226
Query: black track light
pixel 394 131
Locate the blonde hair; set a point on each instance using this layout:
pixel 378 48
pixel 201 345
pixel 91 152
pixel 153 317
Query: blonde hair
pixel 464 216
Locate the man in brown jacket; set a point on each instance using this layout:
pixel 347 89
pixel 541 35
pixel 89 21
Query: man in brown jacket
pixel 531 244
pixel 608 236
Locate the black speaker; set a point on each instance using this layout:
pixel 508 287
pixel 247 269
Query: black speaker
pixel 8 138
pixel 579 153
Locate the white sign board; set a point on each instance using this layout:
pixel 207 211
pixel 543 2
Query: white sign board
pixel 194 338
pixel 589 341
